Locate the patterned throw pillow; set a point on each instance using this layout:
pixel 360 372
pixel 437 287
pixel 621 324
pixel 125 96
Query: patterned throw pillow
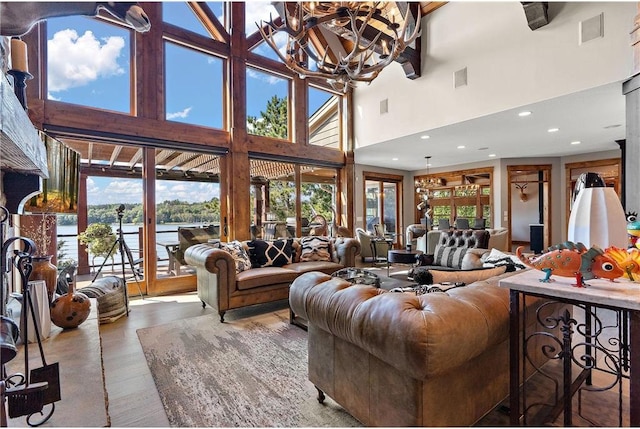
pixel 241 257
pixel 449 256
pixel 315 248
pixel 271 253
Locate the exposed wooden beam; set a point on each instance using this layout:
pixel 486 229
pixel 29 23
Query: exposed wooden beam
pixel 210 21
pixel 179 160
pixel 162 155
pixel 197 162
pixel 536 14
pixel 90 152
pixel 136 158
pixel 114 155
pixel 429 6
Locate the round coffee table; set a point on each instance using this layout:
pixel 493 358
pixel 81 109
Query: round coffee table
pixel 358 276
pixel 402 256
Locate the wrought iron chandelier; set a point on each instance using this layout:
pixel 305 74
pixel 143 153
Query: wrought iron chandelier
pixel 424 186
pixel 342 42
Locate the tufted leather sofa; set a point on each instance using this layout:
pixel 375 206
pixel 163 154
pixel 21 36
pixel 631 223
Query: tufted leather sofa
pixel 223 289
pixel 468 238
pixel 397 359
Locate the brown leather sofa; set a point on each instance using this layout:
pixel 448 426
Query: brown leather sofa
pixel 397 359
pixel 223 289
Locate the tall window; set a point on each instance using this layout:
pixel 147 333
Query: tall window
pixel 89 63
pixel 324 118
pixel 267 104
pixel 200 104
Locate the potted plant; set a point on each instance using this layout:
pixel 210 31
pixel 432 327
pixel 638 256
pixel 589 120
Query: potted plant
pixel 99 239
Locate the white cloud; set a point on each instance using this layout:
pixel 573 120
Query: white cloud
pixel 265 77
pixel 122 191
pixel 78 60
pixel 191 192
pixel 182 114
pixel 256 11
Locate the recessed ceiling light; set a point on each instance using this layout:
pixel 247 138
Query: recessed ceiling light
pixel 394 159
pixel 575 142
pixel 553 130
pixel 424 137
pixel 461 146
pixel 492 155
pixel 524 113
pixel 483 148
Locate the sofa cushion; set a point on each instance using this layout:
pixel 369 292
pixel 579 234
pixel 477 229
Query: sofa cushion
pixel 327 267
pixel 240 255
pixel 432 276
pixel 262 277
pixel 315 248
pixel 449 256
pixel 270 253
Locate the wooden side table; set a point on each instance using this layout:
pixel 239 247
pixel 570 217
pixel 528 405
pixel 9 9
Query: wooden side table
pixel 402 256
pixel 587 351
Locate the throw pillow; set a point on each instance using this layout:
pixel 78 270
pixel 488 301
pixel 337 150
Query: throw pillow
pixel 449 256
pixel 270 253
pixel 424 276
pixel 496 258
pixel 241 257
pixel 472 259
pixel 315 248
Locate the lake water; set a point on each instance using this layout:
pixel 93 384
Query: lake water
pixel 164 232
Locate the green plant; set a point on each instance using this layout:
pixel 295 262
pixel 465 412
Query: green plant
pixel 99 239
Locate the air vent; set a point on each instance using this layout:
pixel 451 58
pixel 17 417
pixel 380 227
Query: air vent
pixel 460 78
pixel 591 28
pixel 384 106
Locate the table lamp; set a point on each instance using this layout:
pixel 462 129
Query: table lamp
pixel 597 217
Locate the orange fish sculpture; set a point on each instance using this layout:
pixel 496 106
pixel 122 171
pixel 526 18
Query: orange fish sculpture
pixel 627 259
pixel 574 260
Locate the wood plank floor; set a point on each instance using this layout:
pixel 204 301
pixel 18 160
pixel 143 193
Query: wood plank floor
pixel 133 398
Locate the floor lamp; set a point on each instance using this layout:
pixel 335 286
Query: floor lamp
pixel 597 217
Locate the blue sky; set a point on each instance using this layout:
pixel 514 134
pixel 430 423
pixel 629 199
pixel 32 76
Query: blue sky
pixel 89 64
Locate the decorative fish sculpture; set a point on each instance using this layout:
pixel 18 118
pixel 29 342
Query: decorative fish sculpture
pixel 573 260
pixel 627 259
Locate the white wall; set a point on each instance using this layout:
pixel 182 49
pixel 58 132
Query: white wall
pixel 508 65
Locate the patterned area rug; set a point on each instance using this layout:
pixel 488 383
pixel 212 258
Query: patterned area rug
pixel 249 373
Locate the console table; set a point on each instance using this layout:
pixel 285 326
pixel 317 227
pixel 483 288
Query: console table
pixel 621 357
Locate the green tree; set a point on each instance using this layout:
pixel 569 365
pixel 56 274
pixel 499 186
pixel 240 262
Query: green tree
pixel 99 239
pixel 273 122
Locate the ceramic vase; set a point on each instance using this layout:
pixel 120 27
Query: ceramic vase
pixel 43 269
pixel 71 309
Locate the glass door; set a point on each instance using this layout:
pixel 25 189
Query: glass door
pixel 382 205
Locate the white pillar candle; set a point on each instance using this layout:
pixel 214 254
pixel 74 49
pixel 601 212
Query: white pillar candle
pixel 19 56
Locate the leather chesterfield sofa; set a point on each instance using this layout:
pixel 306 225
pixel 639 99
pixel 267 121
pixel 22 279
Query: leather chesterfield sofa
pixel 220 286
pixel 397 359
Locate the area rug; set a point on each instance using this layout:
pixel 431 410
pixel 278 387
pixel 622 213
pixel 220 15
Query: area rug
pixel 242 373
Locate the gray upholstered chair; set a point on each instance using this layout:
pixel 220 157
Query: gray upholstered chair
pixel 462 223
pixel 413 232
pixel 366 249
pixel 479 223
pixel 443 224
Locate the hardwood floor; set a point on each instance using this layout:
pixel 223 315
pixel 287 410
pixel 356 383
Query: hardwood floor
pixel 133 398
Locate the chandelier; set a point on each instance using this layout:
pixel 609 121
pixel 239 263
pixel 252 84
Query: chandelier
pixel 424 186
pixel 341 42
